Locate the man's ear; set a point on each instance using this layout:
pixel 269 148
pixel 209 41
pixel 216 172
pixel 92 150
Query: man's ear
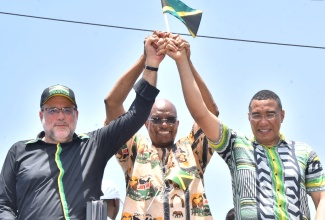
pixel 146 124
pixel 77 114
pixel 41 115
pixel 282 115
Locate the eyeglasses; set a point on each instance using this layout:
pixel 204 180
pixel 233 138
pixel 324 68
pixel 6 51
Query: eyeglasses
pixel 267 116
pixel 56 111
pixel 160 121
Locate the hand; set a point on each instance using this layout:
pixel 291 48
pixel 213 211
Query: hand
pixel 167 43
pixel 159 34
pixel 183 44
pixel 154 50
pixel 177 47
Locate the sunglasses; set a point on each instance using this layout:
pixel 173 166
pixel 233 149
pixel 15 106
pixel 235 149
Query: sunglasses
pixel 160 121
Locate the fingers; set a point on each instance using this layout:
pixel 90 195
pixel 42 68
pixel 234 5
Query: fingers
pixel 173 36
pixel 162 45
pixel 164 42
pixel 184 44
pixel 161 34
pixel 171 45
pixel 150 41
pixel 165 45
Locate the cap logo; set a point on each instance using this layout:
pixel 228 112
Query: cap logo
pixel 59 89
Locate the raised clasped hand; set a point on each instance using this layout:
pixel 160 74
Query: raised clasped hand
pixel 167 43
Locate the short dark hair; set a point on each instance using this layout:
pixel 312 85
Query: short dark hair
pixel 264 95
pixel 231 214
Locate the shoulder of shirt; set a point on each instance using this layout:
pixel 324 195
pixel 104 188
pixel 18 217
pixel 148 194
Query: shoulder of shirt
pixel 139 136
pixel 25 142
pixel 238 134
pixel 300 145
pixel 297 144
pixel 81 136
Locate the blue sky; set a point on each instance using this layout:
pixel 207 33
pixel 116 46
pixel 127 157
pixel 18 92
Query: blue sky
pixel 36 53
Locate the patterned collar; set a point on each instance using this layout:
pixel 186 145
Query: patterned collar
pixel 282 140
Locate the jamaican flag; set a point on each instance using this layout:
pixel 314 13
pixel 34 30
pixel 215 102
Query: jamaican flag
pixel 190 17
pixel 180 177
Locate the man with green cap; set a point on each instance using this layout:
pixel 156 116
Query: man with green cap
pixel 56 174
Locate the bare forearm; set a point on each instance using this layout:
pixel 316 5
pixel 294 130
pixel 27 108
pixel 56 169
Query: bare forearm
pixel 195 103
pixel 320 212
pixel 192 95
pixel 125 83
pixel 206 95
pixel 115 98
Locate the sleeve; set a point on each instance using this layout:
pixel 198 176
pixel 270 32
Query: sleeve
pixel 125 154
pixel 224 145
pixel 315 177
pixel 120 130
pixel 201 149
pixel 8 207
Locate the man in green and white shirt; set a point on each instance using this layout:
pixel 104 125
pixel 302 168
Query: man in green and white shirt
pixel 271 176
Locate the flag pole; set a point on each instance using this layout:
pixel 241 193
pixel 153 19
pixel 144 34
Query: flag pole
pixel 166 22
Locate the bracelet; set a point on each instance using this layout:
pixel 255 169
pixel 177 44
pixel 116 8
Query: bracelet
pixel 151 68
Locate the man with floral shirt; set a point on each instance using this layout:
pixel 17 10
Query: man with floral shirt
pixel 164 178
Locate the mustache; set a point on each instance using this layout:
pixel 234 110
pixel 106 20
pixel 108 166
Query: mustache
pixel 60 124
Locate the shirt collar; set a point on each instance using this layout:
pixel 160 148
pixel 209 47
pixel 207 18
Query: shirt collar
pixel 282 140
pixel 42 134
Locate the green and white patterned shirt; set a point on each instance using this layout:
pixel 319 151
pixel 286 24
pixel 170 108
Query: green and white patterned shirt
pixel 270 182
